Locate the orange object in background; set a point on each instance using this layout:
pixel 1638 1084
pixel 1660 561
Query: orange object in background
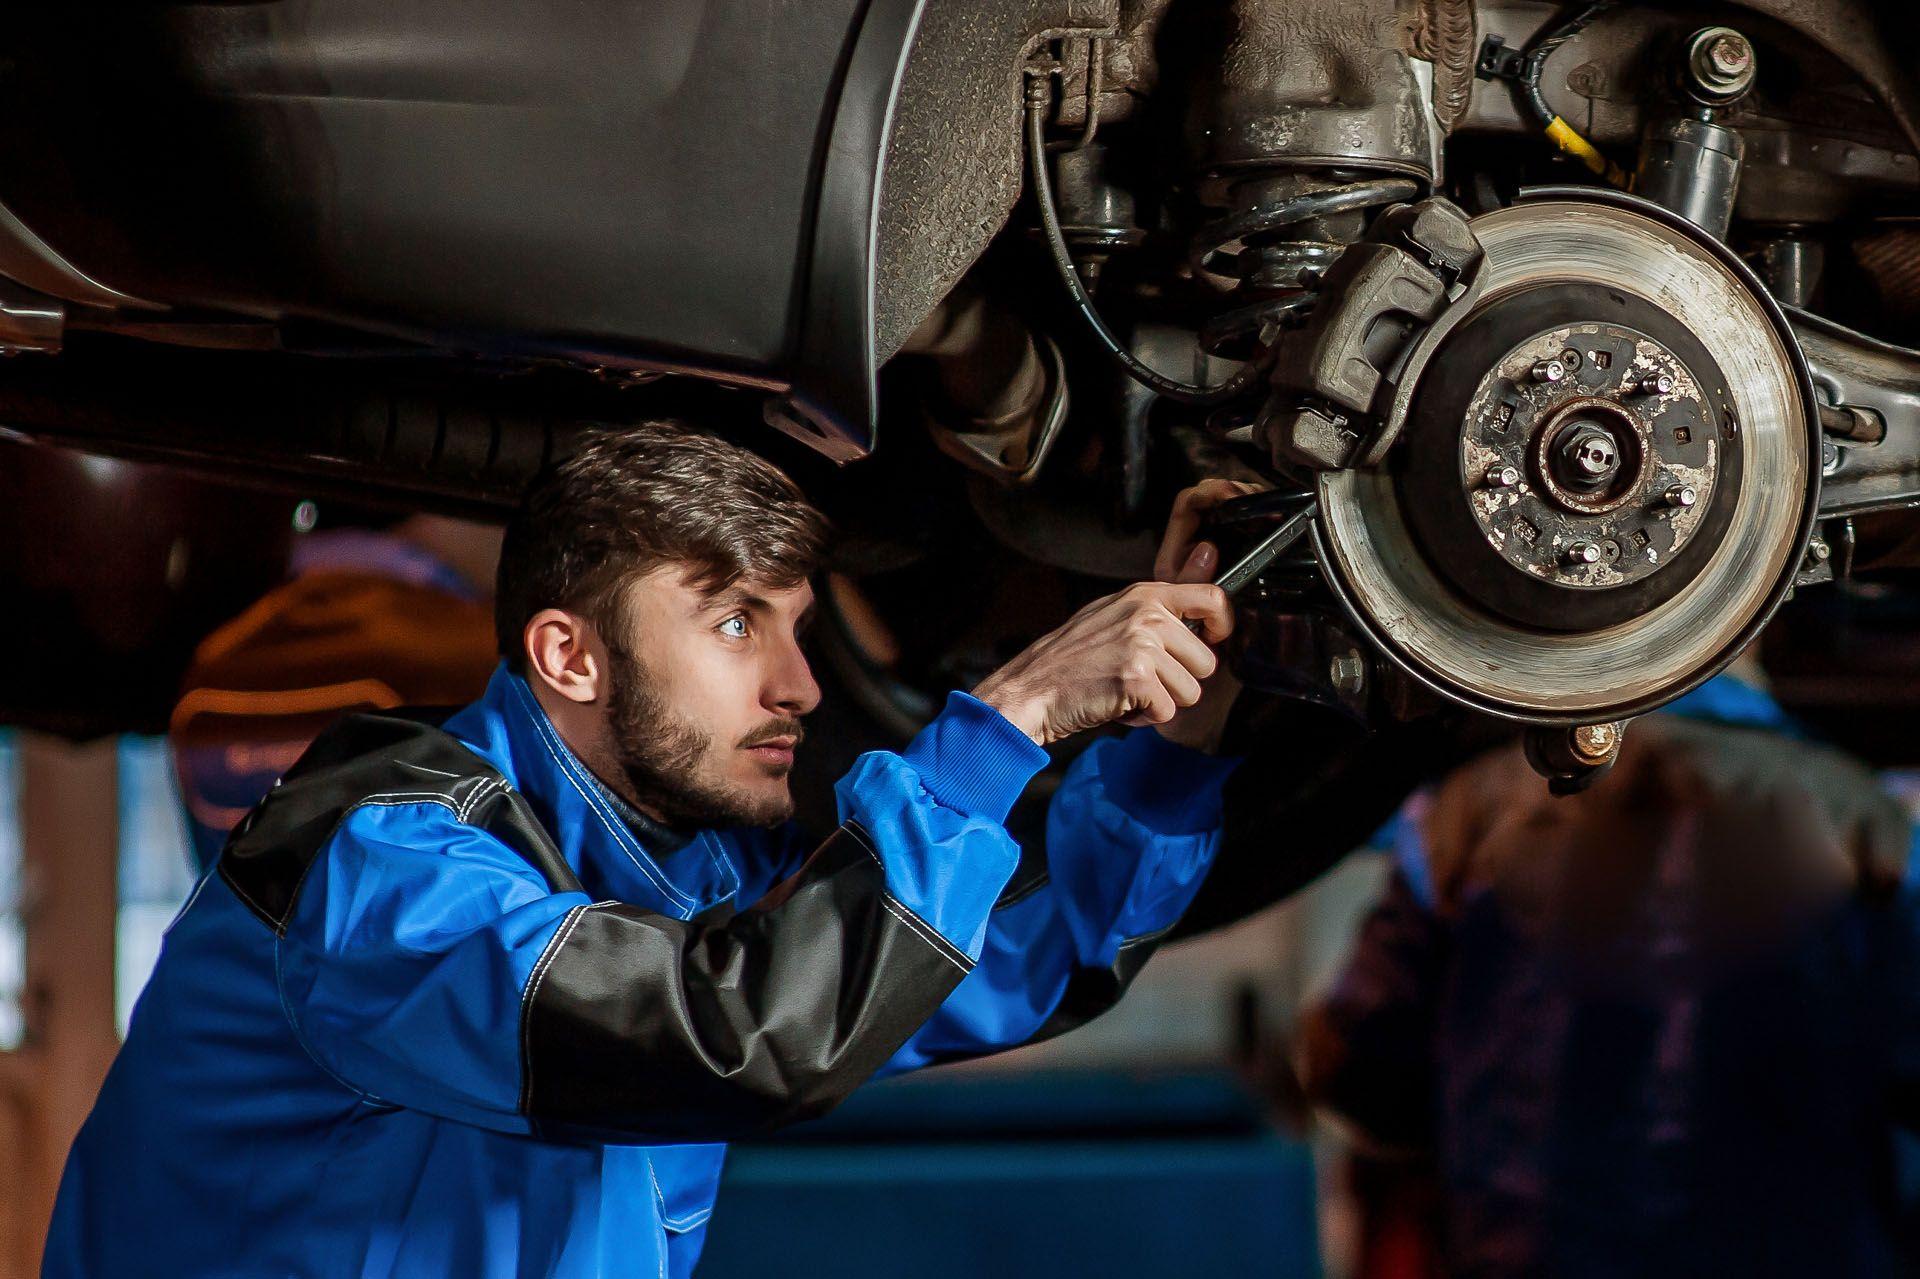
pixel 369 621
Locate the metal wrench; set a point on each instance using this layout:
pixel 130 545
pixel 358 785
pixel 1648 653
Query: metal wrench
pixel 1263 553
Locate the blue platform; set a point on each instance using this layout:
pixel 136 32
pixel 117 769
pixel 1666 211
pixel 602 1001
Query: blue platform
pixel 1014 1175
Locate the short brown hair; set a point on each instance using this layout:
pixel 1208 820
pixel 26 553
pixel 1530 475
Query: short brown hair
pixel 630 500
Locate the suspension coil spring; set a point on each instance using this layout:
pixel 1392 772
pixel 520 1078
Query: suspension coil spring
pixel 1271 276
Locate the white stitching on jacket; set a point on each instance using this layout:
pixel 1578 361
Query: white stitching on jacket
pixel 533 990
pixel 621 837
pixel 422 768
pixel 485 788
pixel 853 828
pixel 925 932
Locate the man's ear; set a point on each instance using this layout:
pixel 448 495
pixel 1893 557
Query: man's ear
pixel 564 653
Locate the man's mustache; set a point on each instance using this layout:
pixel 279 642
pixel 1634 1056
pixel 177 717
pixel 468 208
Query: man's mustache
pixel 772 730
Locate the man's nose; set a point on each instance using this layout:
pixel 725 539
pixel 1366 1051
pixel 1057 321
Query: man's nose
pixel 790 689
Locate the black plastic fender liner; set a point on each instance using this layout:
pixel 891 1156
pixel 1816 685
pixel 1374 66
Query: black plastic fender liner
pixel 835 386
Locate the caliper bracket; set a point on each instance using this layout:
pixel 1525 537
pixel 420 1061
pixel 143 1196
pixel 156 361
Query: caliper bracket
pixel 1416 259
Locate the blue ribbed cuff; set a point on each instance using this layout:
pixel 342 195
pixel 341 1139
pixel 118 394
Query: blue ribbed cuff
pixel 972 760
pixel 1168 788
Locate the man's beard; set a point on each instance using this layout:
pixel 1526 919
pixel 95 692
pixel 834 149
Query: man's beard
pixel 664 757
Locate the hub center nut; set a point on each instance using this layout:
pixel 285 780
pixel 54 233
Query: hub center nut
pixel 1591 452
pixel 1588 458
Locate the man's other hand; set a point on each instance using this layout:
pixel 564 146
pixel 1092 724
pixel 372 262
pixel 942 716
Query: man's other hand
pixel 1182 559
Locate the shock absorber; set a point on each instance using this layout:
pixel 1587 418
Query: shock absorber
pixel 1269 252
pixel 1297 140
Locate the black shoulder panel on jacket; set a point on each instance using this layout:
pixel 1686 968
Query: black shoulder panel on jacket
pixel 636 1024
pixel 364 760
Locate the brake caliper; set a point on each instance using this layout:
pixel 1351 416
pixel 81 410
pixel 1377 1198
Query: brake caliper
pixel 1332 378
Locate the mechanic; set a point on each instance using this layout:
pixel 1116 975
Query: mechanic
pixel 1664 1027
pixel 484 1000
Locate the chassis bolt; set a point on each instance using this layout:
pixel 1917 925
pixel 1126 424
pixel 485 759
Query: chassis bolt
pixel 1548 371
pixel 1596 742
pixel 1720 64
pixel 1682 496
pixel 1581 554
pixel 1348 672
pixel 1503 477
pixel 1729 55
pixel 1656 384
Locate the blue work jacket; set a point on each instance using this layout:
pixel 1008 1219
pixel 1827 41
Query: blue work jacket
pixel 446 1007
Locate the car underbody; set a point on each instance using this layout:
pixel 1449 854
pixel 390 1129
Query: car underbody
pixel 1583 325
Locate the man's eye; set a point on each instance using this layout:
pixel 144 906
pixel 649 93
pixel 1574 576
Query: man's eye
pixel 735 627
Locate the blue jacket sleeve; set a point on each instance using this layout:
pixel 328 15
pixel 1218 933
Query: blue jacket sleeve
pixel 1131 834
pixel 427 966
pixel 402 969
pixel 936 816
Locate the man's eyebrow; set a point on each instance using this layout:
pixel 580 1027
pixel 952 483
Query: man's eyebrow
pixel 735 597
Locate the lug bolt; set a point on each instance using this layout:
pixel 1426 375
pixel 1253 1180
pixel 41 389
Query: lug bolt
pixel 1682 496
pixel 1503 477
pixel 1581 554
pixel 1548 371
pixel 1657 384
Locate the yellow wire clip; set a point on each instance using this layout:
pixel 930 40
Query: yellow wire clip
pixel 1568 139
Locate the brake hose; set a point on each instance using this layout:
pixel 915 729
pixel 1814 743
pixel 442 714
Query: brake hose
pixel 1038 99
pixel 1563 135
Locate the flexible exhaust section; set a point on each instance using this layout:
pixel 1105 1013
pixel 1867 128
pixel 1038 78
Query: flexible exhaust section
pixel 403 432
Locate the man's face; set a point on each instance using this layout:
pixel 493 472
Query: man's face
pixel 705 698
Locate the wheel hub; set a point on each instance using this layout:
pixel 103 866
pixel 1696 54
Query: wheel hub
pixel 1609 461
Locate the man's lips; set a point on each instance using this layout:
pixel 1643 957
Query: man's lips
pixel 775 749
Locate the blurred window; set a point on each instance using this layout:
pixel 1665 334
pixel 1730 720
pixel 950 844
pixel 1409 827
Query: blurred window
pixel 13 930
pixel 156 865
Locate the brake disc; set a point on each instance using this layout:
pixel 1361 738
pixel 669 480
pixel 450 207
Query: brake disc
pixel 1607 475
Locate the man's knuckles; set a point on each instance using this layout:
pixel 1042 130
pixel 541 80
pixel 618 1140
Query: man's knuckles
pixel 1137 675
